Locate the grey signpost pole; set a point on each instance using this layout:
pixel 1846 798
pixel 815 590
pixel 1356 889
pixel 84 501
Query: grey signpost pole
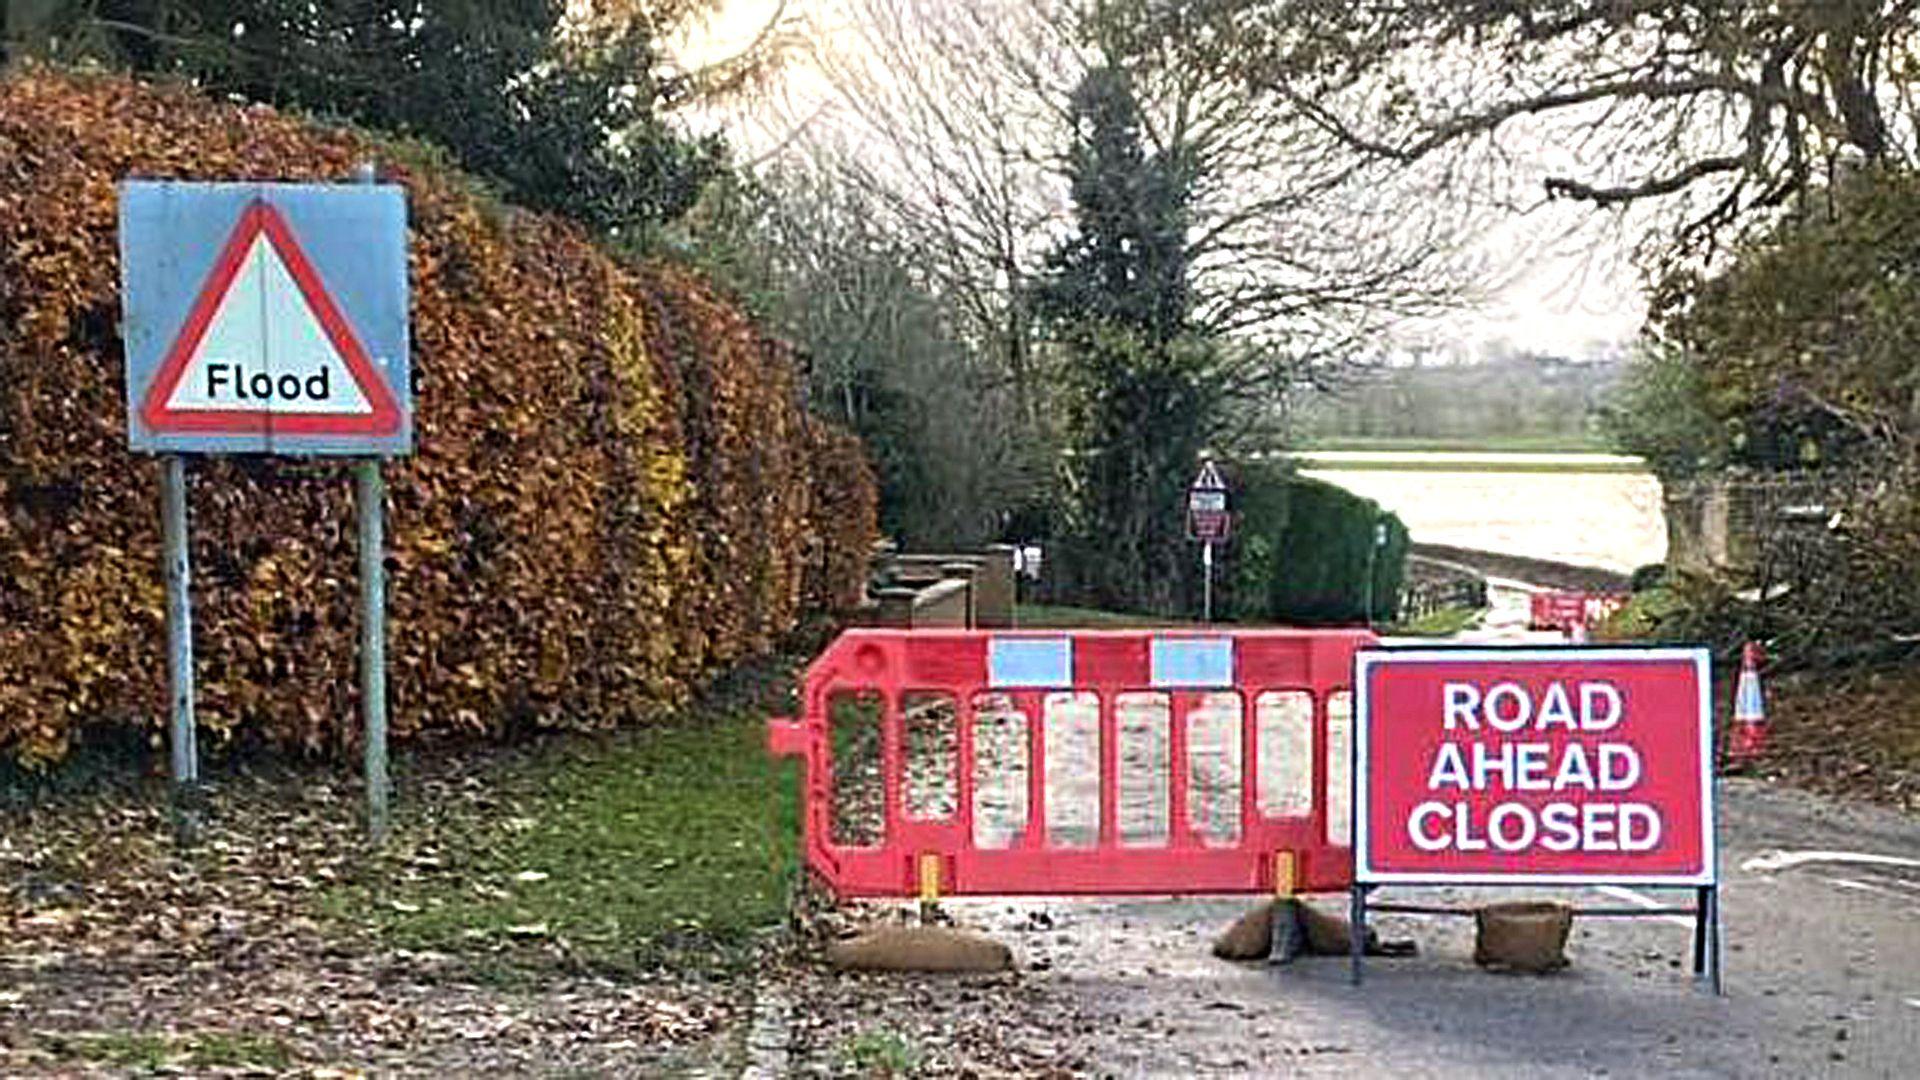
pixel 1206 590
pixel 370 497
pixel 1373 555
pixel 186 754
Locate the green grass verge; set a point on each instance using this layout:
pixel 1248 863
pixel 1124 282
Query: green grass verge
pixel 140 1052
pixel 877 1052
pixel 674 843
pixel 1060 617
pixel 1445 622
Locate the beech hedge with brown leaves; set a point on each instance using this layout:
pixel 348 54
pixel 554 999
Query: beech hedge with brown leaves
pixel 617 490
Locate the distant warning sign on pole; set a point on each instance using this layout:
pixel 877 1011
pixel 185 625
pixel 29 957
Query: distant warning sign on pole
pixel 1208 519
pixel 1512 766
pixel 266 318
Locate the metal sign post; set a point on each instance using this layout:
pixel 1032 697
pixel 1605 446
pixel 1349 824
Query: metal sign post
pixel 269 319
pixel 185 750
pixel 1209 522
pixel 1206 590
pixel 370 499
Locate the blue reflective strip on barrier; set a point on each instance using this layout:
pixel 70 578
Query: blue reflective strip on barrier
pixel 1029 662
pixel 1192 662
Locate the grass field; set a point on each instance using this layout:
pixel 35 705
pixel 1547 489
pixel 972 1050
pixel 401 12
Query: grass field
pixel 1057 617
pixel 1314 461
pixel 1445 622
pixel 1496 444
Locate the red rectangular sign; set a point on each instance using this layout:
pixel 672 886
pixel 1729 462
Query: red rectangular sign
pixel 1534 765
pixel 1566 610
pixel 1207 514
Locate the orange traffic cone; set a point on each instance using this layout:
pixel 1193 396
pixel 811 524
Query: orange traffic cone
pixel 1748 739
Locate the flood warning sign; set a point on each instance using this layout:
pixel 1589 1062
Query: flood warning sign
pixel 270 352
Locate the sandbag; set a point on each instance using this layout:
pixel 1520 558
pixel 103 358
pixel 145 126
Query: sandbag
pixel 1250 937
pixel 1527 936
pixel 919 948
pixel 1319 934
pixel 1330 935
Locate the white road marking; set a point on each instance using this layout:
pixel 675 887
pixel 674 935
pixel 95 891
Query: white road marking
pixel 1786 860
pixel 1865 886
pixel 1643 900
pixel 1915 1002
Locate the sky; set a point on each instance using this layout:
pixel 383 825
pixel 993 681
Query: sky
pixel 1578 297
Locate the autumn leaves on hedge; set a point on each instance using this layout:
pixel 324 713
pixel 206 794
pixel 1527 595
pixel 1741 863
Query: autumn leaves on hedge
pixel 617 490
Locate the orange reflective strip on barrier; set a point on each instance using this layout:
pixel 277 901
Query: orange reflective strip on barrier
pixel 929 878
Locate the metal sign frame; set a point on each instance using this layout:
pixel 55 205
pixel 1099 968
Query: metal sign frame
pixel 343 249
pixel 1705 884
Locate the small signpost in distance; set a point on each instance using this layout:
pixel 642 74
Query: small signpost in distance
pixel 1210 522
pixel 1483 766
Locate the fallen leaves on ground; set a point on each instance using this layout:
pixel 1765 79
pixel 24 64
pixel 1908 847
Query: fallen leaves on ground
pixel 123 954
pixel 1850 733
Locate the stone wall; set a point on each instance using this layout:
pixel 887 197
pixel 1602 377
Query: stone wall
pixel 1719 525
pixel 974 589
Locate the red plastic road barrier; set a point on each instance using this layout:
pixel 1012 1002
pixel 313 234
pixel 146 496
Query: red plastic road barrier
pixel 1567 610
pixel 1078 763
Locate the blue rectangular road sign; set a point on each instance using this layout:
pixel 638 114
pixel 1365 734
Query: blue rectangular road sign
pixel 266 318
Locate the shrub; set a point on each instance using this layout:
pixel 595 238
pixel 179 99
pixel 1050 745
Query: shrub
pixel 615 492
pixel 1650 576
pixel 1303 550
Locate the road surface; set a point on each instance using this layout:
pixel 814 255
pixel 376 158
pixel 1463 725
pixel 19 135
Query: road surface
pixel 1822 973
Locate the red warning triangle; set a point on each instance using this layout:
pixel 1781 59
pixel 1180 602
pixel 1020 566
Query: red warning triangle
pixel 266 349
pixel 1209 479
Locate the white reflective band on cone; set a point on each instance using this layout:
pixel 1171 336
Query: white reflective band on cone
pixel 1747 703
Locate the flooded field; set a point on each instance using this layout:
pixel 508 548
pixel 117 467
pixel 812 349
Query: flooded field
pixel 1589 509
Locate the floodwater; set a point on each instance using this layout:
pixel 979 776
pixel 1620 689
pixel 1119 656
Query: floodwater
pixel 1588 509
